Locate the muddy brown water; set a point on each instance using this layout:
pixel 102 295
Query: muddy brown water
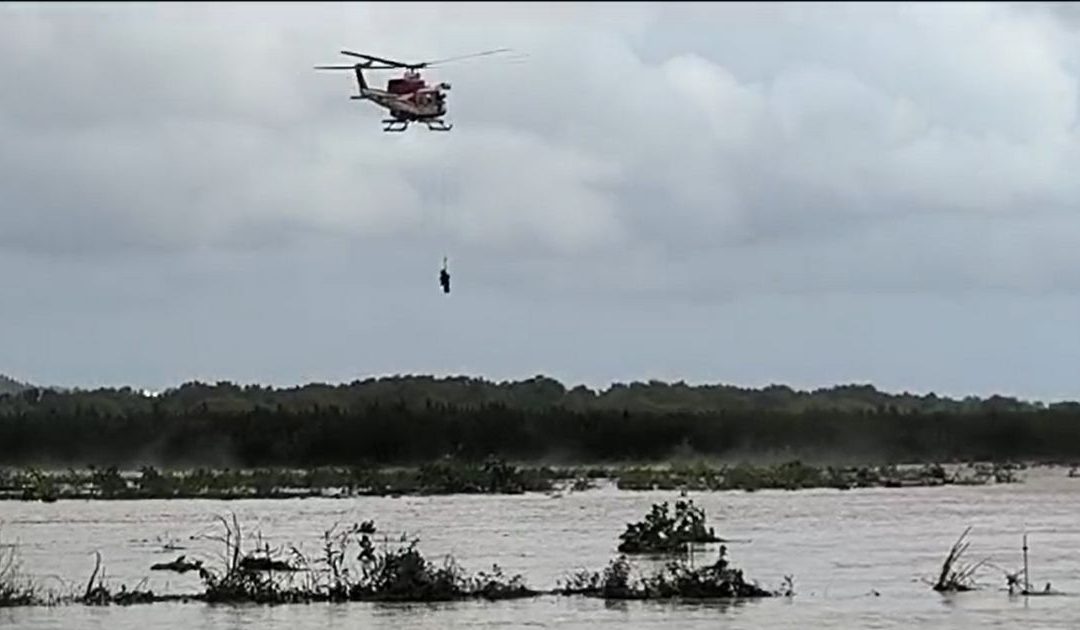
pixel 860 558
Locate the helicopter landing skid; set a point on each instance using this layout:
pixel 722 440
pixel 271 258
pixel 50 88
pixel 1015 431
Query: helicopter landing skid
pixel 397 126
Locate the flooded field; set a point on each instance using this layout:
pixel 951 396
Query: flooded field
pixel 860 558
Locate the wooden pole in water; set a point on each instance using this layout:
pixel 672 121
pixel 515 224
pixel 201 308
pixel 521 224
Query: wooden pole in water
pixel 1027 581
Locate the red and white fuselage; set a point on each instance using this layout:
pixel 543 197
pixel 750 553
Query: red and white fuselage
pixel 409 98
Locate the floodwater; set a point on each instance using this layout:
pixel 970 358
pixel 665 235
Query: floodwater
pixel 860 558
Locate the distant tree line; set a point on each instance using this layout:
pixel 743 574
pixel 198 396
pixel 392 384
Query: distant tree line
pixel 9 385
pixel 416 419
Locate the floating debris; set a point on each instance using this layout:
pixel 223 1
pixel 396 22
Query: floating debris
pixel 180 565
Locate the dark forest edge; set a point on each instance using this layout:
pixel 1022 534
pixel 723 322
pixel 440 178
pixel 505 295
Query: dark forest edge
pixel 493 476
pixel 416 420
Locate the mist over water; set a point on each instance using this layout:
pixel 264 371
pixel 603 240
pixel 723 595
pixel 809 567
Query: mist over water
pixel 842 547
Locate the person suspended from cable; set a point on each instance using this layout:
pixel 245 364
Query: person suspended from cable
pixel 444 277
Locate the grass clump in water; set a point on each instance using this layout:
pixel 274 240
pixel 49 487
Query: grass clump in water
pixel 403 574
pixel 99 594
pixel 350 568
pixel 259 577
pixel 16 589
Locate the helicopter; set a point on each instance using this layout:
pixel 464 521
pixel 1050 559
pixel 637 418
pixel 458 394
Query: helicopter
pixel 408 98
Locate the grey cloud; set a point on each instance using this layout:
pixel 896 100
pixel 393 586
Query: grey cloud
pixel 156 158
pixel 216 132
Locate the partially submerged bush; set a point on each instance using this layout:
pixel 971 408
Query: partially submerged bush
pixel 582 484
pixel 390 574
pixel 664 533
pixel 718 580
pixel 795 475
pixel 494 476
pixel 614 582
pixel 678 579
pixel 496 585
pixel 403 574
pixel 254 578
pixel 453 475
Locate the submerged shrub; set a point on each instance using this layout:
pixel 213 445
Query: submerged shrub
pixel 256 577
pixel 494 476
pixel 496 585
pixel 660 532
pixel 678 579
pixel 350 569
pixel 614 582
pixel 403 574
pixel 718 580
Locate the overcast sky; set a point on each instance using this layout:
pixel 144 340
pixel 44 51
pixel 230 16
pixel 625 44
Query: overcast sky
pixel 742 193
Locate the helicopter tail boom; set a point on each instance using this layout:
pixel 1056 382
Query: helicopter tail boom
pixel 361 83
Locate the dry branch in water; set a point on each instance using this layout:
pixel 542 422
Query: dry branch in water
pixel 957 576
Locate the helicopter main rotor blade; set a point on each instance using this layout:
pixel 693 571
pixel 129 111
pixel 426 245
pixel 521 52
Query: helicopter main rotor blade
pixel 462 57
pixel 334 67
pixel 390 63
